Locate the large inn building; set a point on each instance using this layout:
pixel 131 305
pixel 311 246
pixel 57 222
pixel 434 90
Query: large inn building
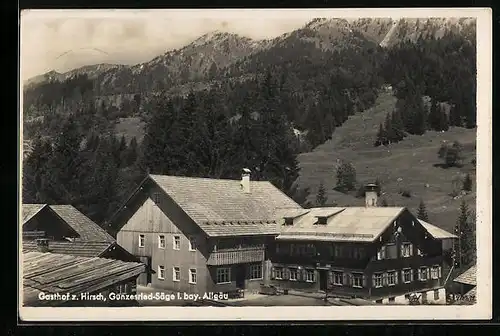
pixel 199 235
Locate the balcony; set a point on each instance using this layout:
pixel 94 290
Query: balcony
pixel 236 256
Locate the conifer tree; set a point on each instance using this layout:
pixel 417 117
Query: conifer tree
pixel 465 249
pixel 381 136
pixel 389 130
pixel 397 125
pixel 321 197
pixel 422 211
pixel 467 184
pixel 346 177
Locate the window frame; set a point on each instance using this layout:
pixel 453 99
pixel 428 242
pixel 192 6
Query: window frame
pixel 176 270
pixel 406 247
pixel 191 273
pixel 434 269
pixel 278 273
pixel 436 294
pixel 228 274
pixel 252 269
pixel 161 238
pixel 340 275
pixel 357 276
pixel 409 270
pixel 142 240
pixel 394 275
pixel 378 276
pixel 161 270
pixel 192 244
pixel 295 272
pixel 176 239
pixel 421 271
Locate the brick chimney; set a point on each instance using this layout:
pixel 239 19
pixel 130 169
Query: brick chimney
pixel 42 245
pixel 245 180
pixel 371 197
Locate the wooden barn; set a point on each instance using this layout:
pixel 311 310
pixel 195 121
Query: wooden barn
pixel 51 279
pixel 201 235
pixel 65 230
pixel 384 254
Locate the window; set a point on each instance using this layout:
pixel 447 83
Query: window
pixel 141 240
pixel 406 250
pixel 338 251
pixel 357 280
pixel 378 301
pixel 289 221
pixel 407 275
pixel 377 280
pixel 192 276
pixel 161 241
pixel 391 251
pixel 223 275
pixel 156 198
pixel 435 272
pixel 310 275
pixel 392 299
pixel 278 273
pixel 391 278
pixel 161 272
pixel 176 274
pixel 192 244
pixel 338 278
pixel 420 253
pixel 436 294
pixel 407 296
pixel 293 274
pixel 381 253
pixel 177 242
pixel 422 274
pixel 256 272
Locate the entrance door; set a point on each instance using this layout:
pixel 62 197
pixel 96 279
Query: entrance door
pixel 323 279
pixel 145 278
pixel 240 275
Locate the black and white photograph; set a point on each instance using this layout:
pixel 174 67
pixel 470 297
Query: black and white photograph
pixel 220 163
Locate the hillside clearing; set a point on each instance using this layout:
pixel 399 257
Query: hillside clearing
pixel 409 165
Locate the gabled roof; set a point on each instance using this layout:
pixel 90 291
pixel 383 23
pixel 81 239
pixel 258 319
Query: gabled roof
pixel 362 224
pixel 30 210
pixel 76 248
pixel 437 232
pixel 56 273
pixel 468 277
pixel 84 226
pixel 216 200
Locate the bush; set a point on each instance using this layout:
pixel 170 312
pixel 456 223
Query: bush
pixel 405 193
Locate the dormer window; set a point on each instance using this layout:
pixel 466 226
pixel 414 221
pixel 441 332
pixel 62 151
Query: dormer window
pixel 289 221
pixel 322 220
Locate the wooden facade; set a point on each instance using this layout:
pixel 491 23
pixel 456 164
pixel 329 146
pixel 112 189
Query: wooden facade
pixel 403 259
pixel 180 256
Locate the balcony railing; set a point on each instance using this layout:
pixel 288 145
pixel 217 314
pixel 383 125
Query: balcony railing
pixel 236 256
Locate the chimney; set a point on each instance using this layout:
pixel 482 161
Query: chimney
pixel 371 196
pixel 245 180
pixel 42 244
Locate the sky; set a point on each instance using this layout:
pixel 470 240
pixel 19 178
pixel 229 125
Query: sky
pixel 61 42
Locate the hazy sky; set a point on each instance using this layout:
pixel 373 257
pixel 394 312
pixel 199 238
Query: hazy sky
pixel 62 40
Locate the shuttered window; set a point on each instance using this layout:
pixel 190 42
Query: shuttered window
pixel 406 275
pixel 391 251
pixel 423 274
pixel 278 273
pixel 293 274
pixel 392 278
pixel 435 272
pixel 338 278
pixel 309 275
pixel 381 253
pixel 406 250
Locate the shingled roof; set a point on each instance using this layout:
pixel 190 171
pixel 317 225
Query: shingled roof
pixel 76 248
pixel 220 207
pixel 437 232
pixel 84 226
pixel 52 273
pixel 468 277
pixel 30 210
pixel 342 224
pixel 86 229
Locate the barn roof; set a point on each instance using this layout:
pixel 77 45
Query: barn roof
pixel 362 224
pixel 56 273
pixel 76 248
pixel 86 229
pixel 220 207
pixel 30 210
pixel 468 277
pixel 437 232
